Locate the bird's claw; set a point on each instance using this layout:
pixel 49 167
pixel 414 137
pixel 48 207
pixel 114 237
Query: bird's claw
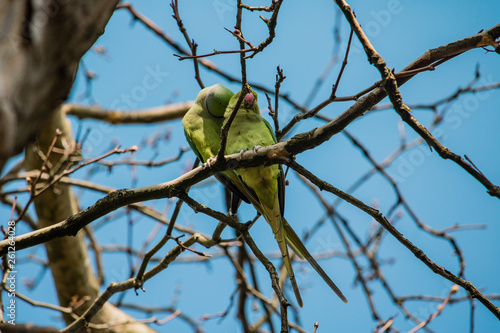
pixel 255 148
pixel 241 154
pixel 210 162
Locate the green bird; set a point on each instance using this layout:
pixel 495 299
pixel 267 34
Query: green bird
pixel 264 186
pixel 202 126
pixel 203 121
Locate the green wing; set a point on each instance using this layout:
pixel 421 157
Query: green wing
pixel 193 146
pixel 270 130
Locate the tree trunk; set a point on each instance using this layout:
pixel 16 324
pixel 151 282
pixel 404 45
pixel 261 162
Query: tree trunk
pixel 41 43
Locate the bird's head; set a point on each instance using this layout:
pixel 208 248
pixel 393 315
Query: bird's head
pixel 216 99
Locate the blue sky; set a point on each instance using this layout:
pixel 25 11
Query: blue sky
pixel 439 191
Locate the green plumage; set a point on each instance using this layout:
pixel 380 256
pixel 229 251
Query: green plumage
pixel 203 122
pixel 263 186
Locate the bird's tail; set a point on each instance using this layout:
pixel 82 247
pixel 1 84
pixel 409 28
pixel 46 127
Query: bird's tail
pixel 273 217
pixel 298 247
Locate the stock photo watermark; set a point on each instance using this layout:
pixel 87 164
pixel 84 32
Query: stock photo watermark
pixel 138 93
pixel 152 79
pixel 379 19
pixel 203 194
pixel 223 7
pixel 457 114
pixel 382 18
pixel 10 310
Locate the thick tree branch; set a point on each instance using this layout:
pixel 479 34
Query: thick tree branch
pixel 145 116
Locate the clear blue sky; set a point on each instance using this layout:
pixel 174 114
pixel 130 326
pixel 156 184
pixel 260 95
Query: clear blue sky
pixel 440 192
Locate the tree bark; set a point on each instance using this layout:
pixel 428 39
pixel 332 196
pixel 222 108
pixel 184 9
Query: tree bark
pixel 41 43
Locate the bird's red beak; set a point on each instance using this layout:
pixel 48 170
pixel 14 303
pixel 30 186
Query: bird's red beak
pixel 248 100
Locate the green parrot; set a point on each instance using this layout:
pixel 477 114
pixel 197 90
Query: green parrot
pixel 202 126
pixel 264 186
pixel 203 122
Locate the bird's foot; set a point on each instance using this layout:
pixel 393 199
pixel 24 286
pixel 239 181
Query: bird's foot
pixel 210 162
pixel 241 154
pixel 256 148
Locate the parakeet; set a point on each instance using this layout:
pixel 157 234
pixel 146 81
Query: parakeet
pixel 202 126
pixel 264 186
pixel 203 122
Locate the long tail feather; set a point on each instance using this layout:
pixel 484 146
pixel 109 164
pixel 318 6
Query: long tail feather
pixel 298 247
pixel 274 219
pixel 291 275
